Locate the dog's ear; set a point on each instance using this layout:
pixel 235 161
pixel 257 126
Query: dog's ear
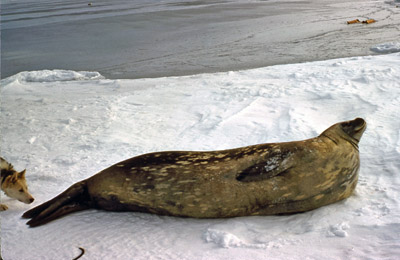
pixel 21 174
pixel 14 178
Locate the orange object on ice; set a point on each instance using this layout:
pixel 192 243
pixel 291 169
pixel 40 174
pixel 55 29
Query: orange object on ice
pixel 353 21
pixel 369 21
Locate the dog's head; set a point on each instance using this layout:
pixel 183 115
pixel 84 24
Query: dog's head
pixel 14 186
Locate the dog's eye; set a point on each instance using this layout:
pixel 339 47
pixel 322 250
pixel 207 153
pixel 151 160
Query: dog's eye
pixel 21 190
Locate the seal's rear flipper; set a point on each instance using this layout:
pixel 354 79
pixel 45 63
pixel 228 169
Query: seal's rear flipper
pixel 75 198
pixel 34 222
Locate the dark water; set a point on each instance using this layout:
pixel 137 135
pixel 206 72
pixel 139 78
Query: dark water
pixel 149 38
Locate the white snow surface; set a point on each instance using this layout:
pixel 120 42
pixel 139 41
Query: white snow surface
pixel 64 127
pixel 52 76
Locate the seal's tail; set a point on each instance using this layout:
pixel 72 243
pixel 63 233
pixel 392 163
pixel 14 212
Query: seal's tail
pixel 75 198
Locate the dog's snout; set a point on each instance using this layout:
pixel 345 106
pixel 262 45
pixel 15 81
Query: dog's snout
pixel 31 200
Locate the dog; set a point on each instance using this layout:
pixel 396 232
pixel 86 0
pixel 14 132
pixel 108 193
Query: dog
pixel 13 184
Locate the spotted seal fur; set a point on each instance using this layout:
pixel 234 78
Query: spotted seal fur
pixel 263 179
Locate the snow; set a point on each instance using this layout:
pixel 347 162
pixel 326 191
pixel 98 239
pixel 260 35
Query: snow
pixel 53 75
pixel 388 47
pixel 64 126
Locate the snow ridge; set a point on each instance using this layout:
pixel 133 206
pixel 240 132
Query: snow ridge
pixel 53 76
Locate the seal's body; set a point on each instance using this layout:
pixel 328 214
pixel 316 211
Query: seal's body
pixel 262 179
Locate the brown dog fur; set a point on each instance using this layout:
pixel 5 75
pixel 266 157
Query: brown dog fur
pixel 13 184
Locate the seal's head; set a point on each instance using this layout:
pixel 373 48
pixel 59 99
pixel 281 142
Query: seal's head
pixel 350 131
pixel 354 128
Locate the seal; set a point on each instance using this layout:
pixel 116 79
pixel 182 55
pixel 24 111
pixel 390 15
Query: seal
pixel 264 179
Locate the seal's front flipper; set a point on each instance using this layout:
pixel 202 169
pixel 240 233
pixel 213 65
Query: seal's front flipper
pixel 73 199
pixel 276 163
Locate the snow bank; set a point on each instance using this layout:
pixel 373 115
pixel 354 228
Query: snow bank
pixel 389 47
pixel 53 76
pixel 66 130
